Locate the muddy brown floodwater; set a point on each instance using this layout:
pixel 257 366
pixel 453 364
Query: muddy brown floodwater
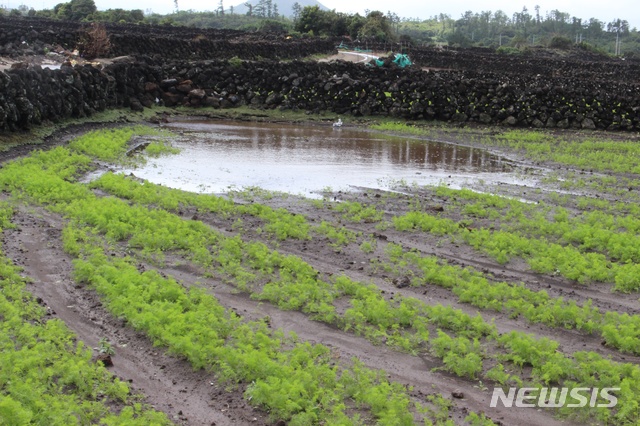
pixel 305 159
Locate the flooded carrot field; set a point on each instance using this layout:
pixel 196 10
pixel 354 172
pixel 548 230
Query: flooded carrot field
pixel 419 275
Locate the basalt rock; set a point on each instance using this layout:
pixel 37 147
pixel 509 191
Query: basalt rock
pixel 30 94
pixel 19 36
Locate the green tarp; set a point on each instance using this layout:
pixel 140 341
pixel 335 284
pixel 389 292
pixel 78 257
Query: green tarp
pixel 400 60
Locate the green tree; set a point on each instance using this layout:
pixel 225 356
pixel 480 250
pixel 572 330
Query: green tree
pixel 259 9
pixel 296 9
pixel 269 8
pixel 311 20
pixel 62 10
pixel 377 26
pixel 595 28
pixel 75 10
pixel 618 26
pixel 355 24
pixel 273 26
pixel 521 21
pixel 320 22
pixel 458 39
pixel 119 15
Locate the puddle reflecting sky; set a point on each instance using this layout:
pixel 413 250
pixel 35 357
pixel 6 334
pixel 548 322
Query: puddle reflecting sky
pixel 303 159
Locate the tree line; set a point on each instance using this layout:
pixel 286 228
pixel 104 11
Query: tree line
pixel 553 28
pixel 79 10
pixel 509 34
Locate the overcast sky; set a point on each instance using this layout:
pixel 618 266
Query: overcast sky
pixel 604 10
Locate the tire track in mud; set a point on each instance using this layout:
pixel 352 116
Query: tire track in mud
pixel 400 367
pixel 516 271
pixel 570 340
pixel 404 368
pixel 167 383
pixel 329 262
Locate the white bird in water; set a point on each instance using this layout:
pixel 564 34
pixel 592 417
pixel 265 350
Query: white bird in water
pixel 338 123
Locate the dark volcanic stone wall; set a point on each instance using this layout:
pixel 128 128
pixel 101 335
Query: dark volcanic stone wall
pixel 24 36
pixel 187 66
pixel 575 63
pixel 250 48
pixel 29 36
pixel 588 67
pixel 28 96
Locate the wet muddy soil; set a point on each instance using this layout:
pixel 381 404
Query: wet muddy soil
pixel 195 398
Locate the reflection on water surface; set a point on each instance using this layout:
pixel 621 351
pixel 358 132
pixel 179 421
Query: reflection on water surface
pixel 305 159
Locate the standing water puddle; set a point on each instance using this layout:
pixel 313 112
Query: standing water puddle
pixel 304 160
